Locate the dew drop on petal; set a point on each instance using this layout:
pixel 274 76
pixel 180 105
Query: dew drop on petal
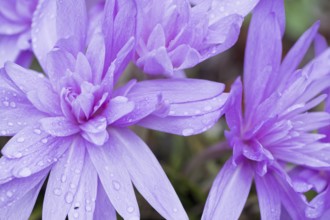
pixel 88 208
pixel 37 131
pixel 72 186
pixel 12 104
pixel 130 209
pixel 63 178
pixel 116 185
pixel 25 172
pixel 18 155
pixel 9 194
pixel 175 210
pixel 45 140
pixel 20 140
pixel 40 163
pixel 187 131
pixel 207 108
pixel 69 197
pixel 57 191
pixel 5 103
pixel 76 215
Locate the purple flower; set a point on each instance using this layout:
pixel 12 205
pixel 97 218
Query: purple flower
pixel 73 123
pixel 176 36
pixel 15 27
pixel 275 129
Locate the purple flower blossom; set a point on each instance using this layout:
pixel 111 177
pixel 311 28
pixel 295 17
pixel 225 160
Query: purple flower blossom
pixel 275 129
pixel 175 35
pixel 15 27
pixel 73 123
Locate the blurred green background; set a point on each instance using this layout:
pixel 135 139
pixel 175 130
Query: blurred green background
pixel 190 166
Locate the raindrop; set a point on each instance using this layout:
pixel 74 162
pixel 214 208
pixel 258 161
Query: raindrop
pixel 175 210
pixel 77 171
pixel 72 186
pixel 3 132
pixel 63 178
pixel 5 103
pixel 130 209
pixel 45 140
pixel 37 131
pixel 208 108
pixel 69 197
pixel 9 194
pixel 57 191
pixel 187 131
pixel 120 99
pixel 75 215
pixel 20 140
pixel 116 185
pixel 25 172
pixel 12 104
pixel 10 124
pixel 88 208
pixel 40 163
pixel 18 155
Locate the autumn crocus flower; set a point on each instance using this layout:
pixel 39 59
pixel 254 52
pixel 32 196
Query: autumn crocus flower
pixel 276 127
pixel 73 123
pixel 176 35
pixel 15 31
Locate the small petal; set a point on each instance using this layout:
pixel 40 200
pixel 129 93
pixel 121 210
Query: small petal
pixel 147 175
pixel 229 192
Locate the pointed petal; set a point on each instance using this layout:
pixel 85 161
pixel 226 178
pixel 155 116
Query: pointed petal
pixel 103 206
pixel 177 90
pixel 296 54
pixel 185 126
pixel 59 126
pixel 320 44
pixel 229 192
pixel 22 208
pixel 114 177
pixel 147 175
pixel 74 25
pixel 63 181
pixel 84 200
pixel 17 188
pixel 262 60
pixel 269 200
pixel 43 33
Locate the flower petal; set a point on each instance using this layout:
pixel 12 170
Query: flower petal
pixel 269 200
pixel 84 200
pixel 59 126
pixel 147 174
pixel 112 171
pixel 63 181
pixel 229 192
pixel 103 206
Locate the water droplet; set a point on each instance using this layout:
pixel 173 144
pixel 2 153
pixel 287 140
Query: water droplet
pixel 120 99
pixel 25 172
pixel 37 131
pixel 40 163
pixel 9 194
pixel 208 108
pixel 12 104
pixel 116 185
pixel 69 197
pixel 77 171
pixel 57 191
pixel 5 103
pixel 45 140
pixel 20 140
pixel 63 178
pixel 187 131
pixel 88 208
pixel 130 209
pixel 72 186
pixel 3 132
pixel 76 215
pixel 10 124
pixel 18 155
pixel 175 210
